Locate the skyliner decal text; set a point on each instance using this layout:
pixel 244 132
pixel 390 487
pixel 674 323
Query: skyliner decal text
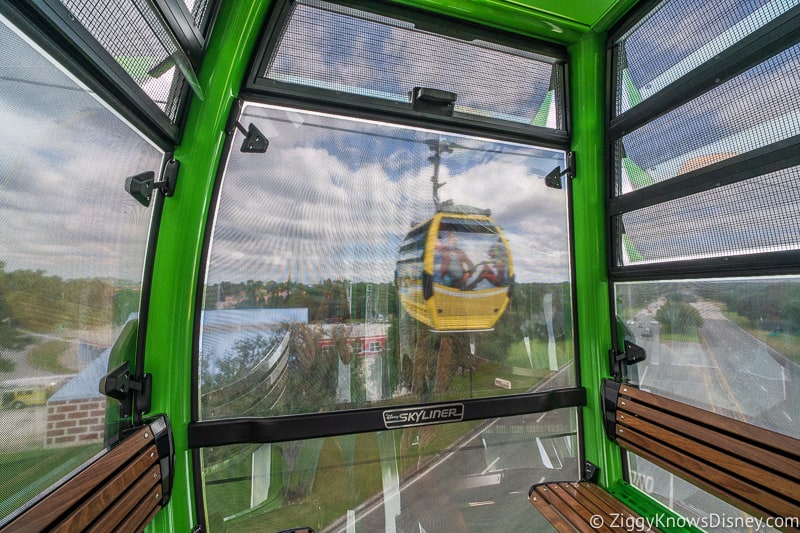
pixel 420 416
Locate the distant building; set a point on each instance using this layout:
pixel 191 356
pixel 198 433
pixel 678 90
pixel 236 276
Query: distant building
pixel 366 339
pixel 76 412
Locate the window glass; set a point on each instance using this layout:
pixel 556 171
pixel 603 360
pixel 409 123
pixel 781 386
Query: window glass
pixel 136 36
pixel 729 346
pixel 325 272
pixel 695 506
pixel 447 477
pixel 71 261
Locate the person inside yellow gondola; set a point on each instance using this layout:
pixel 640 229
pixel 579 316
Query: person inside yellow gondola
pixel 494 271
pixel 455 266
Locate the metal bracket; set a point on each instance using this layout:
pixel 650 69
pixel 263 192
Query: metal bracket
pixel 590 471
pixel 254 142
pixel 553 178
pixel 119 384
pixel 141 186
pixel 434 101
pixel 610 390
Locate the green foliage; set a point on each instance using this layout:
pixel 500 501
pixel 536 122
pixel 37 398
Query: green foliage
pixel 678 318
pixel 26 473
pixel 31 300
pixel 7 365
pixel 125 302
pixel 46 356
pixel 237 364
pixel 312 370
pixel 769 305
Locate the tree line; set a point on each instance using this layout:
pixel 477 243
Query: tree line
pixel 32 301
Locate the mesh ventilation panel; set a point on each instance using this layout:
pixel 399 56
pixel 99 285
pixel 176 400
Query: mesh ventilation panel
pixel 658 51
pixel 758 215
pixel 137 40
pixel 198 9
pixel 759 107
pixel 331 47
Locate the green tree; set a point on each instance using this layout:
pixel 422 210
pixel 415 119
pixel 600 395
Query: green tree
pixel 239 362
pixel 679 318
pixel 11 337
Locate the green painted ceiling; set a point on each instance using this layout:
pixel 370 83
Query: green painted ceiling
pixel 560 21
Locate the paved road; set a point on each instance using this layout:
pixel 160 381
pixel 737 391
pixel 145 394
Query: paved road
pixel 729 372
pixel 479 484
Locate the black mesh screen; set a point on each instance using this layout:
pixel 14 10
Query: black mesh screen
pixel 331 47
pixel 198 9
pixel 679 36
pixel 752 110
pixel 761 214
pixel 139 43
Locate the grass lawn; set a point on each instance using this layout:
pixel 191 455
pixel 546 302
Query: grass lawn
pixel 788 345
pixel 681 337
pixel 45 356
pixel 25 474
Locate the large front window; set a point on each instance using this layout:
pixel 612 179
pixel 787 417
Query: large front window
pixel 341 278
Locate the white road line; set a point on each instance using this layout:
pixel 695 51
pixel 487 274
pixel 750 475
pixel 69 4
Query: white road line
pixel 490 466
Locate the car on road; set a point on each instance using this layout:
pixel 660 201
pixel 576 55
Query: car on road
pixel 28 397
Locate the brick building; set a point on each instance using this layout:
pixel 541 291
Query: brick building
pixel 76 412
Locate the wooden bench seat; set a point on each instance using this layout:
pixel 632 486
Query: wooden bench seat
pixel 582 506
pixel 120 490
pixel 752 468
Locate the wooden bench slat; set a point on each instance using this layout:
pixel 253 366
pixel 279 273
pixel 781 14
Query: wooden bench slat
pixel 577 506
pixel 42 514
pixel 563 506
pixel 745 450
pixel 94 506
pixel 592 505
pixel 752 468
pixel 112 516
pixel 140 517
pixel 741 430
pixel 748 471
pixel 585 508
pixel 613 503
pixel 555 519
pixel 697 472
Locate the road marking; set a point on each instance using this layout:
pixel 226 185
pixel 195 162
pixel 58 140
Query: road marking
pixel 478 504
pixel 641 378
pixel 708 392
pixel 725 384
pixel 490 466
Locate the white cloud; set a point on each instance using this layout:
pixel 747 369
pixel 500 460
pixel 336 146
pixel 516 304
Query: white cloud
pixel 322 203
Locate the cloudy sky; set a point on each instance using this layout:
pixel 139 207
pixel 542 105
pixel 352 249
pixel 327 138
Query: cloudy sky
pixel 333 198
pixel 64 158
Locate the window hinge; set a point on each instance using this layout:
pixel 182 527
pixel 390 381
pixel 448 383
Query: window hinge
pixel 553 178
pixel 141 186
pixel 254 141
pixel 129 391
